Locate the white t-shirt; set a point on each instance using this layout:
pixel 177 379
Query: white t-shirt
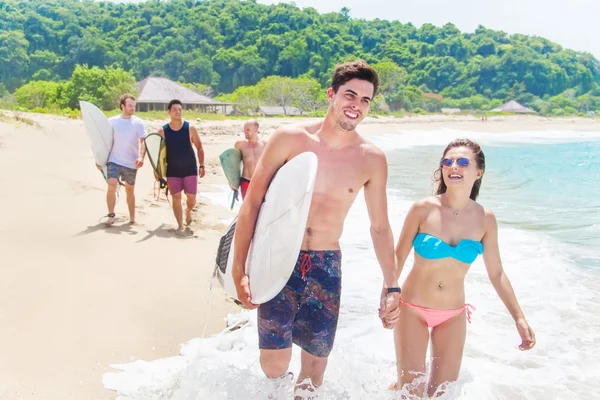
pixel 126 144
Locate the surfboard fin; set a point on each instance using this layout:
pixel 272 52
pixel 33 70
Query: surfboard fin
pixel 234 199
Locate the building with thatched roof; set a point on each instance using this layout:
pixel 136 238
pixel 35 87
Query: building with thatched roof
pixel 514 107
pixel 155 93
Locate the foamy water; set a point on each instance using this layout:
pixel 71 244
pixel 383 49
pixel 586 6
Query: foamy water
pixel 556 279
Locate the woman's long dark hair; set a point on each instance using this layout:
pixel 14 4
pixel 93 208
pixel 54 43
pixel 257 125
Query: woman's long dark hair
pixel 479 159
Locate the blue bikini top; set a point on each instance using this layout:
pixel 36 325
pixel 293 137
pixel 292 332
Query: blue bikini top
pixel 428 246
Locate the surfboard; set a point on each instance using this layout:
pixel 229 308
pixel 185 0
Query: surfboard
pixel 231 160
pixel 100 133
pixel 278 233
pixel 157 154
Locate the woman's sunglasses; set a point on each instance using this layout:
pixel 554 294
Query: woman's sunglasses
pixel 461 162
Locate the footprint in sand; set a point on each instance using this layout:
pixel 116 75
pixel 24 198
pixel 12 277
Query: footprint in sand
pixel 182 232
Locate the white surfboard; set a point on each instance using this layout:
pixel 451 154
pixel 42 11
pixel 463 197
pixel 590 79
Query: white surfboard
pixel 278 234
pixel 99 131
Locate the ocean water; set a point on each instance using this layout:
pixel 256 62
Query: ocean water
pixel 543 188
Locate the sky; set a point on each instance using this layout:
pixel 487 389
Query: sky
pixel 573 24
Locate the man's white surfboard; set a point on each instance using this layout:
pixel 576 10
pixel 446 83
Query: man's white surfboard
pixel 99 131
pixel 278 234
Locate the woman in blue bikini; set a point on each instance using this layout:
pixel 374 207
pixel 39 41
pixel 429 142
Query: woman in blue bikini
pixel 448 232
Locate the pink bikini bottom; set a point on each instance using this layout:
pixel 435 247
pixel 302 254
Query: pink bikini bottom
pixel 433 316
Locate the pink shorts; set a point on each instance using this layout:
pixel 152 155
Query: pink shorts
pixel 188 184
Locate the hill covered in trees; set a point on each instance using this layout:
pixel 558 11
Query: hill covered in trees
pixel 233 44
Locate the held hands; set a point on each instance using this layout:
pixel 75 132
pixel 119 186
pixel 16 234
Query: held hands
pixel 139 162
pixel 526 333
pixel 201 172
pixel 243 293
pixel 389 308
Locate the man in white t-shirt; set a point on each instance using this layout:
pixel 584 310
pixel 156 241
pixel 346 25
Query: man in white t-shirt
pixel 126 156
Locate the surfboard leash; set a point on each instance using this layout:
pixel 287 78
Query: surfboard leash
pixel 119 184
pixel 210 298
pixel 158 186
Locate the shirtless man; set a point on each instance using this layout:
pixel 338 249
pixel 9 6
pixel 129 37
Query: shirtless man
pixel 251 148
pixel 306 311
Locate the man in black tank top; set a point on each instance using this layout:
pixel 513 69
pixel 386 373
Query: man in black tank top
pixel 182 170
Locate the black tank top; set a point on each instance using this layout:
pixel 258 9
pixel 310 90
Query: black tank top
pixel 181 160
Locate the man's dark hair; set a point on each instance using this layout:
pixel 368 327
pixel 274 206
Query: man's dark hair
pixel 358 69
pixel 173 102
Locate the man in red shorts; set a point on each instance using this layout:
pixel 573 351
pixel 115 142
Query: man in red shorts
pixel 251 147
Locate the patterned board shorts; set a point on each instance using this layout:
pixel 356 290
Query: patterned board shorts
pixel 117 171
pixel 306 311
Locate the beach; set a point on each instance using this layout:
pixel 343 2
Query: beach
pixel 77 297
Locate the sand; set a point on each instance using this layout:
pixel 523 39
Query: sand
pixel 76 297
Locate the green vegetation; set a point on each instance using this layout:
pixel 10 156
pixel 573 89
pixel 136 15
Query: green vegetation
pixel 99 86
pixel 55 52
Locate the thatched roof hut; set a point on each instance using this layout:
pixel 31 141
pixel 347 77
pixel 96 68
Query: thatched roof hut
pixel 155 93
pixel 514 107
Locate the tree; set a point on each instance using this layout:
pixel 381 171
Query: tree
pixel 102 87
pixel 487 47
pixel 306 94
pixel 38 94
pixel 200 69
pixel 247 98
pixel 277 90
pixel 391 76
pixel 13 58
pixel 406 97
pixel 294 58
pixel 345 14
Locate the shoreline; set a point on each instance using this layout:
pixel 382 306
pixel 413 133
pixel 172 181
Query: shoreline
pixel 233 126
